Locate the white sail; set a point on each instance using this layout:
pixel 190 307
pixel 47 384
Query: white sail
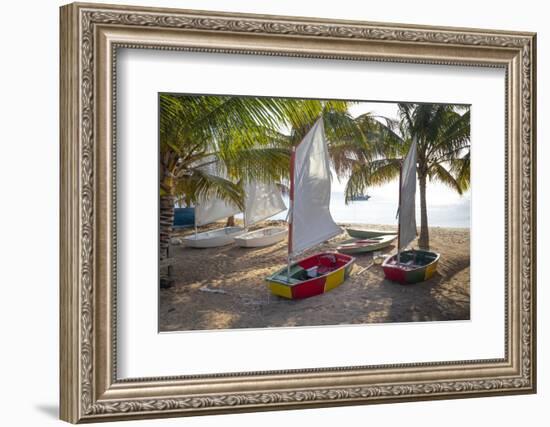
pixel 311 222
pixel 407 198
pixel 211 209
pixel 262 200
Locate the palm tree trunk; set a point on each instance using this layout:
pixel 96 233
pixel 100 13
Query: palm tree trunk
pixel 424 240
pixel 166 222
pixel 166 211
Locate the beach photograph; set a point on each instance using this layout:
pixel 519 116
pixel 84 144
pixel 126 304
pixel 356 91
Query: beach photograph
pixel 290 212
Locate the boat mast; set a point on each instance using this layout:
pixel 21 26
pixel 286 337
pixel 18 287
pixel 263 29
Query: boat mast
pixel 399 216
pixel 244 217
pixel 196 204
pixel 290 211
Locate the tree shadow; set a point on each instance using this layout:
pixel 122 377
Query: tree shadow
pixel 451 267
pixel 430 300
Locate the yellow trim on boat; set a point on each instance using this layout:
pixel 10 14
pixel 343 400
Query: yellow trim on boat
pixel 430 270
pixel 335 279
pixel 281 290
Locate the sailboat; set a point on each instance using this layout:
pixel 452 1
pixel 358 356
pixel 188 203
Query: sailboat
pixel 262 200
pixel 310 223
pixel 209 210
pixel 409 266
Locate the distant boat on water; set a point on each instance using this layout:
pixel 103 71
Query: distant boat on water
pixel 360 198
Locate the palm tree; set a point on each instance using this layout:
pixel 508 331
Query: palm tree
pixel 200 135
pixel 442 132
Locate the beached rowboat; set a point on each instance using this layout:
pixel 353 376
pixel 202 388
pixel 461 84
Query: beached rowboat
pixel 311 276
pixel 263 237
pixel 356 246
pixel 214 238
pixel 361 233
pixel 413 266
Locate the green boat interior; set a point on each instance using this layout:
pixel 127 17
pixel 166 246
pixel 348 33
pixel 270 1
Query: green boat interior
pixel 416 258
pixel 297 275
pixel 318 266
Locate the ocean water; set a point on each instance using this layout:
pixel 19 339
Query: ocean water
pixel 443 211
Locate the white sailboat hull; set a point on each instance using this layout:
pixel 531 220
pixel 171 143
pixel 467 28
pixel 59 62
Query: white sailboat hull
pixel 213 239
pixel 263 237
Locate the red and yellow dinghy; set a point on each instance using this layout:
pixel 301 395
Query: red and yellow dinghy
pixel 311 276
pixel 414 266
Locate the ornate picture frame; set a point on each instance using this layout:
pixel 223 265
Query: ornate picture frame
pixel 90 37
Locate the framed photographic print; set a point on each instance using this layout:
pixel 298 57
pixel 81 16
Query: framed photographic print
pixel 265 212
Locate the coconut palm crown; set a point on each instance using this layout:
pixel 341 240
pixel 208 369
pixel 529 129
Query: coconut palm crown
pixel 442 132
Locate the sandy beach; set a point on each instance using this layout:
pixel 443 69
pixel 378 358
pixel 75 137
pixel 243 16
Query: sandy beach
pixel 224 288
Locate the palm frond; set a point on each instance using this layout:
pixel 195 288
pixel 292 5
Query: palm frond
pixel 438 173
pixel 201 184
pixel 461 170
pixel 267 164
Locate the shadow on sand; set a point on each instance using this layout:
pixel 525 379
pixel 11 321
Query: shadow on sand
pixel 434 299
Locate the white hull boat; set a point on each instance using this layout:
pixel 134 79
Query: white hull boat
pixel 214 238
pixel 263 237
